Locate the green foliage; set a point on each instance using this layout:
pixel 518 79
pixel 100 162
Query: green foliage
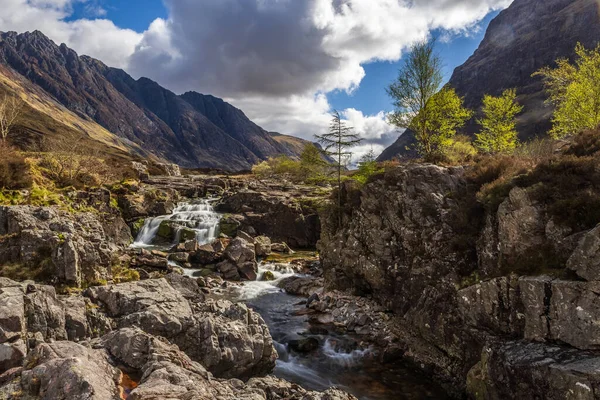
pixel 460 151
pixel 122 274
pixel 433 115
pixel 367 167
pixel 418 81
pixel 262 169
pixel 436 127
pixel 41 196
pixel 574 90
pixel 498 125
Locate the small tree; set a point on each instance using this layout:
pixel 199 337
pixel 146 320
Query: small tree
pixel 312 164
pixel 10 111
pixel 367 167
pixel 337 143
pixel 574 90
pixel 433 115
pixel 498 125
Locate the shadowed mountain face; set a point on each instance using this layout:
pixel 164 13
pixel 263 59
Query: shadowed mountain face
pixel 192 130
pixel 525 37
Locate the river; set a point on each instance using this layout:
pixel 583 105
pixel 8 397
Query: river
pixel 339 360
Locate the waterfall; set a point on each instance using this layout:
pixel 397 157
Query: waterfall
pixel 198 216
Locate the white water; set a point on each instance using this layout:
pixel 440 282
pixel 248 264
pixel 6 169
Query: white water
pixel 199 216
pixel 254 289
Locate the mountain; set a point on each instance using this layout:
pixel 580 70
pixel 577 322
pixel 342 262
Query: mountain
pixel 525 37
pixel 192 130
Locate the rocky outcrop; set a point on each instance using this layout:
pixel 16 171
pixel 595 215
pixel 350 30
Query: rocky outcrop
pixel 271 212
pixel 73 248
pixel 161 331
pixel 451 277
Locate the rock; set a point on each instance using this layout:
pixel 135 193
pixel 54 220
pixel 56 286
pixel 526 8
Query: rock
pixel 306 345
pixel 267 276
pixel 171 231
pixel 520 370
pixel 76 323
pixel 281 248
pixel 247 237
pixel 210 332
pixel 585 260
pixel 12 354
pixel 179 257
pixel 262 246
pixel 67 370
pixel 248 271
pixel 275 214
pixel 75 248
pixel 301 285
pixel 229 225
pixel 240 251
pixel 207 254
pixel 229 270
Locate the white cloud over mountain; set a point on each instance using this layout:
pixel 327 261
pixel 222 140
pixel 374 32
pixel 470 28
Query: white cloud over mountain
pixel 274 59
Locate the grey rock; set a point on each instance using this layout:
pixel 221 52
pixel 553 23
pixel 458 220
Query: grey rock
pixel 585 260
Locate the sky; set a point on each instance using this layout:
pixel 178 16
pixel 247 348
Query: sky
pixel 286 63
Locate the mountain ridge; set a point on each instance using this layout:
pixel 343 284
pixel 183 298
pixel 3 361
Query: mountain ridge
pixel 153 119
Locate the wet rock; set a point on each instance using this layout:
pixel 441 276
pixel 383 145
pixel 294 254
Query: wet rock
pixel 208 253
pixel 246 236
pixel 267 276
pixel 306 345
pixel 240 251
pixel 229 225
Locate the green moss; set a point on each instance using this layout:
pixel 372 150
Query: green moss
pixel 41 196
pixel 137 226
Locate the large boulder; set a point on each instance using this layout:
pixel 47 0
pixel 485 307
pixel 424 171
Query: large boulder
pixel 75 248
pixel 210 332
pixel 241 254
pixel 67 370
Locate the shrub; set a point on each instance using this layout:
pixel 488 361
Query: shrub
pixel 14 170
pixel 460 151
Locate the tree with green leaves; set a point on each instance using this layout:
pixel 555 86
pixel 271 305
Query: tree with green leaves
pixel 574 90
pixel 367 167
pixel 337 143
pixel 499 124
pixel 433 115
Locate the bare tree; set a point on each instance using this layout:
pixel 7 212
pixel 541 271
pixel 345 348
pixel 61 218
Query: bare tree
pixel 10 111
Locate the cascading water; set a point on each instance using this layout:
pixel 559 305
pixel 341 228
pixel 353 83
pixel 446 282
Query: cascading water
pixel 198 216
pixel 339 360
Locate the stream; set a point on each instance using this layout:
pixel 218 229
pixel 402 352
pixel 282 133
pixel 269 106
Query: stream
pixel 339 360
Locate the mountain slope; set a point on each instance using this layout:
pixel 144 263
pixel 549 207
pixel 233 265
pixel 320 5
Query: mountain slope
pixel 147 117
pixel 525 37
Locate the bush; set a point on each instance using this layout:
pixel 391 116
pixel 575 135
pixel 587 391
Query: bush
pixel 14 170
pixel 460 151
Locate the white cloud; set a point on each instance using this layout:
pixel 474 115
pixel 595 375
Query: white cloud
pixel 99 38
pixel 275 59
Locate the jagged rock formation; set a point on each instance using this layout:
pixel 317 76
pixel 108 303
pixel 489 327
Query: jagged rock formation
pixel 72 248
pixel 192 130
pixel 525 37
pixel 469 288
pixel 38 362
